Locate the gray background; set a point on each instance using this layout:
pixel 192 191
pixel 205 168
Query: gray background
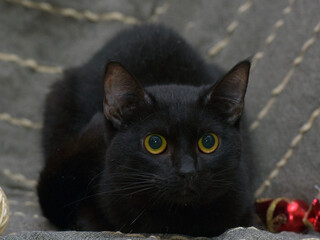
pixel 277 28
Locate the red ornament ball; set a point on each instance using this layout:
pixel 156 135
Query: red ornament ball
pixel 312 217
pixel 282 214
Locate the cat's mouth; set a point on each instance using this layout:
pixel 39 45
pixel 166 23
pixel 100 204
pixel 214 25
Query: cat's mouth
pixel 188 195
pixel 184 195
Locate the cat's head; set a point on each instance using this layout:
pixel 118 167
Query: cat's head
pixel 173 143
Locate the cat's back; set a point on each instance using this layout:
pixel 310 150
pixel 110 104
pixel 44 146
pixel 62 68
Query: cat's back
pixel 152 53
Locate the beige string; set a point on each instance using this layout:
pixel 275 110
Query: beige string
pixel 283 161
pixel 20 214
pixel 30 63
pixel 271 37
pixel 17 177
pixel 73 13
pixel 277 90
pixel 230 30
pixel 25 203
pixel 87 14
pixel 160 10
pixel 22 122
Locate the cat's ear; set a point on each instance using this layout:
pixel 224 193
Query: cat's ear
pixel 122 94
pixel 228 94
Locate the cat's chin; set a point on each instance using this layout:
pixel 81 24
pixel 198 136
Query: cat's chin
pixel 186 196
pixel 183 197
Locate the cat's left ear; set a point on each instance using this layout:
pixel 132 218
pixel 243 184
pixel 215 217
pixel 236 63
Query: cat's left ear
pixel 228 95
pixel 122 94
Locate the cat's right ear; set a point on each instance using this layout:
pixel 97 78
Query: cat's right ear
pixel 228 95
pixel 122 94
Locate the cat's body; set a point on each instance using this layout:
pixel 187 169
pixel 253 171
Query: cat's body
pixel 99 174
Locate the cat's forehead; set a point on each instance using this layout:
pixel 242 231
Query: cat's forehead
pixel 179 111
pixel 176 104
pixel 175 94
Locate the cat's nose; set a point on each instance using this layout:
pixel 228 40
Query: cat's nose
pixel 187 169
pixel 189 177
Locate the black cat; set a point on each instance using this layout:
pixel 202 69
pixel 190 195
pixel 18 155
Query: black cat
pixel 143 138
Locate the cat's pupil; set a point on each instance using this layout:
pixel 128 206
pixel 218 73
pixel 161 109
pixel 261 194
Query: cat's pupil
pixel 208 141
pixel 155 142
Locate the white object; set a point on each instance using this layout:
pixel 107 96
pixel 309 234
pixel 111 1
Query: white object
pixel 4 211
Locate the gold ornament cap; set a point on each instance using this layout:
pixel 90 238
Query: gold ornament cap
pixel 4 211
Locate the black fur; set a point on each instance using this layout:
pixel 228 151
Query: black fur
pixel 99 176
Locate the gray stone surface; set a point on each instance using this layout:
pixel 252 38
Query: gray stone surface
pixel 52 39
pixel 233 234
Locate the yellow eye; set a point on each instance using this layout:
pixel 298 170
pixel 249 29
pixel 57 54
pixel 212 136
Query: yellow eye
pixel 155 143
pixel 208 143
